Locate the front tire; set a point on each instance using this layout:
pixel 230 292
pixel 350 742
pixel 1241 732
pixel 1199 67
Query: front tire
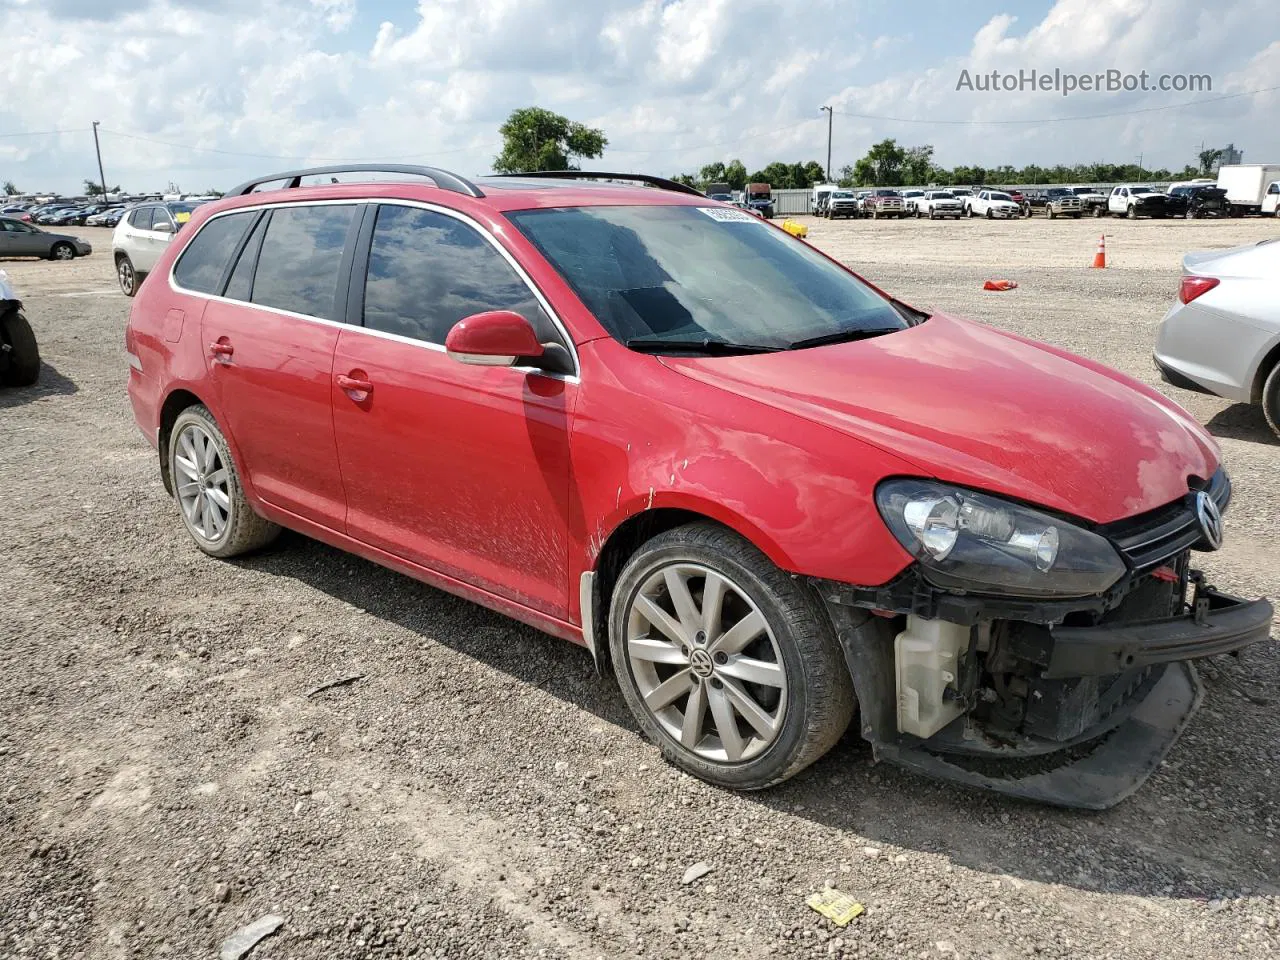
pixel 20 361
pixel 729 664
pixel 1271 399
pixel 207 488
pixel 62 251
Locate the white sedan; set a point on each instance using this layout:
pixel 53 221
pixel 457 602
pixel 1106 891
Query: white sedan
pixel 992 204
pixel 1223 334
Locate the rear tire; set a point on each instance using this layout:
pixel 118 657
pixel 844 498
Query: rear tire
pixel 20 363
pixel 1271 399
pixel 127 275
pixel 691 690
pixel 207 488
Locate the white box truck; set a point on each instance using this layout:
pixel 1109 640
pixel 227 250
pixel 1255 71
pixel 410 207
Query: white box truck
pixel 1249 185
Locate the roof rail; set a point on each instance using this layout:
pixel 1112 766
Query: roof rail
pixel 443 178
pixel 661 182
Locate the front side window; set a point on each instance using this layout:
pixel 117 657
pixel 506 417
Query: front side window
pixel 301 252
pixel 698 275
pixel 427 271
pixel 205 260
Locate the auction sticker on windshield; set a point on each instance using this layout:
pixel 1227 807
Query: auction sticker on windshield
pixel 728 215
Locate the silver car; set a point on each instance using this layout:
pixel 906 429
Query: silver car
pixel 18 239
pixel 1223 334
pixel 142 235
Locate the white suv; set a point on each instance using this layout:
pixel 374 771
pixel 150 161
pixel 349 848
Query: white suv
pixel 141 236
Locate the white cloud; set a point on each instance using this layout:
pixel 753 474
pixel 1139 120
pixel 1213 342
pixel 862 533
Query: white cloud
pixel 674 83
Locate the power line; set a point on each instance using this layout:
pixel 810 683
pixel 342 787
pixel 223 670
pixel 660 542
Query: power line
pixel 37 133
pixel 1091 116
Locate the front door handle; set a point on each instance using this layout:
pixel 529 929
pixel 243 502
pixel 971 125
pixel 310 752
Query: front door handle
pixel 354 384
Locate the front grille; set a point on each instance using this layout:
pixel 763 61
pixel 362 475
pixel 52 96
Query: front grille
pixel 1154 537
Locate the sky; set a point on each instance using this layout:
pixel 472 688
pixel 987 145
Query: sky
pixel 207 93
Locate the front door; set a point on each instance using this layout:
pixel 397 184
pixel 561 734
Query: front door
pixel 461 469
pixel 270 354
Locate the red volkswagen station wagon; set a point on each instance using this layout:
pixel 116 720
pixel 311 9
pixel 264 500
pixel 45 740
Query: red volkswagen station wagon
pixel 766 494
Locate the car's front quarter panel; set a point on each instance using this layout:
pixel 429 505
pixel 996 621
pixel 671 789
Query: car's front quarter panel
pixel 647 438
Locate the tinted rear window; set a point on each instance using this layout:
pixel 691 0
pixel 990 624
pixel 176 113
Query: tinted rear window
pixel 301 252
pixel 204 262
pixel 141 218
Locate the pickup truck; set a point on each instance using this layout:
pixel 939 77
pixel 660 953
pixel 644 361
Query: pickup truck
pixel 939 203
pixel 884 203
pixel 1140 201
pixel 1061 202
pixel 1091 201
pixel 992 204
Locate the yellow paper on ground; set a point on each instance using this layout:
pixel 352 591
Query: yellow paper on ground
pixel 837 907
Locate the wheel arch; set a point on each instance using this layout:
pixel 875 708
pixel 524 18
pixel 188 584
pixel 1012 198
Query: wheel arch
pixel 178 400
pixel 620 544
pixel 1269 362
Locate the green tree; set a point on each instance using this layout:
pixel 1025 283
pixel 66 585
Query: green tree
pixel 94 189
pixel 712 173
pixel 735 175
pixel 688 179
pixel 917 165
pixel 1207 159
pixel 812 172
pixel 537 139
pixel 11 189
pixel 882 166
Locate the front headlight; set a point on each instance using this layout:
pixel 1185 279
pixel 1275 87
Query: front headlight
pixel 980 543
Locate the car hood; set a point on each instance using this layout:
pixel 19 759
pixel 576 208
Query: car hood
pixel 972 405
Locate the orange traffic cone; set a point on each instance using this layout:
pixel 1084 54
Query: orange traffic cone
pixel 1100 258
pixel 1000 285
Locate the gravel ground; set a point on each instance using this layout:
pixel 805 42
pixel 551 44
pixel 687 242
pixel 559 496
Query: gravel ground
pixel 165 779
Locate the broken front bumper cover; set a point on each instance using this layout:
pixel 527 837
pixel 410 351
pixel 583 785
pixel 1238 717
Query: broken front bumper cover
pixel 1119 763
pixel 1093 769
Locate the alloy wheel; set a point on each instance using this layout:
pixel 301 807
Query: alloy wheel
pixel 706 663
pixel 124 271
pixel 203 483
pixel 64 252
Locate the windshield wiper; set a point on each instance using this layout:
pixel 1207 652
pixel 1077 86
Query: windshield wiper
pixel 842 336
pixel 705 345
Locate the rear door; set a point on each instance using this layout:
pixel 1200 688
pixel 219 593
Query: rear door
pixel 461 469
pixel 270 341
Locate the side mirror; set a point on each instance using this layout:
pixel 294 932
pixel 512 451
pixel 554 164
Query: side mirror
pixel 163 228
pixel 496 338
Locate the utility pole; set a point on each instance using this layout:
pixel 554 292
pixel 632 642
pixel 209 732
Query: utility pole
pixel 102 177
pixel 1142 175
pixel 830 113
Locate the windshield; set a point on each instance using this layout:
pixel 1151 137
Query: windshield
pixel 842 195
pixel 700 274
pixel 942 195
pixel 1141 190
pixel 886 193
pixel 1001 196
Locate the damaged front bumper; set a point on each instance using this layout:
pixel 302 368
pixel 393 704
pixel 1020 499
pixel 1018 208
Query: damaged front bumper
pixel 1072 704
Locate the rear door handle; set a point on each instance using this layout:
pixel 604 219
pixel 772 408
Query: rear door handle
pixel 354 384
pixel 222 350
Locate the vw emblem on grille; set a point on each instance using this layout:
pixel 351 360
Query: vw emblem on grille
pixel 1210 518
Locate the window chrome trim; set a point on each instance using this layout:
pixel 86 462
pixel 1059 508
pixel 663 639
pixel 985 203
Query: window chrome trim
pixel 538 295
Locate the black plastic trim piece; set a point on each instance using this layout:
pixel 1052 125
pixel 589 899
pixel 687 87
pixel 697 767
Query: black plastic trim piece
pixel 660 182
pixel 1226 624
pixel 443 178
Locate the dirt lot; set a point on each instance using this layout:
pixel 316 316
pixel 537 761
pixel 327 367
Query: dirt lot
pixel 164 779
